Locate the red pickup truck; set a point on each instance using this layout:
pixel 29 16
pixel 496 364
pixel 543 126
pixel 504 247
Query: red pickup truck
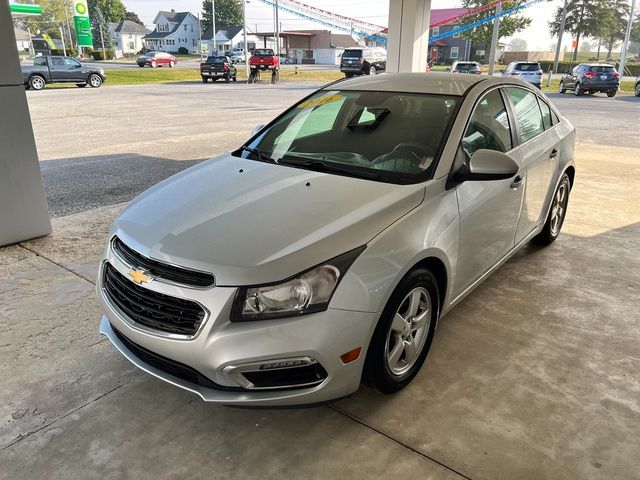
pixel 264 59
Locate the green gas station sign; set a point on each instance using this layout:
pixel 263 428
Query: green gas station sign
pixel 82 23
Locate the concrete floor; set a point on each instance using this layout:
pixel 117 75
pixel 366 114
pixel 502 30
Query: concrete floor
pixel 533 376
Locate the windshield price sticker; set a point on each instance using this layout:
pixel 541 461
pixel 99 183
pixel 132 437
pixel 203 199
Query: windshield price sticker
pixel 316 102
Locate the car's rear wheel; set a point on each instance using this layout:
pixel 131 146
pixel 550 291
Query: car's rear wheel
pixel 205 80
pixel 235 77
pixel 612 93
pixel 403 336
pixel 227 79
pixel 557 213
pixel 372 70
pixel 561 88
pixel 37 82
pixel 141 65
pixel 577 90
pixel 94 80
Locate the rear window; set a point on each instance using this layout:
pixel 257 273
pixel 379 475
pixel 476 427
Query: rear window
pixel 466 66
pixel 603 69
pixel 263 52
pixel 216 59
pixel 352 54
pixel 40 62
pixel 528 67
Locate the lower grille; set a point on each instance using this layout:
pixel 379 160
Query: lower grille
pixel 166 365
pixel 298 377
pixel 152 309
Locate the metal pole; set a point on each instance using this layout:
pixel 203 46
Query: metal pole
pixel 213 25
pixel 64 48
pixel 560 35
pixel 623 54
pixel 244 32
pixel 277 31
pixel 494 38
pixel 104 52
pixel 200 37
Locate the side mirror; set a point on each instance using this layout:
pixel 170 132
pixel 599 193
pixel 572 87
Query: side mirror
pixel 257 129
pixel 490 165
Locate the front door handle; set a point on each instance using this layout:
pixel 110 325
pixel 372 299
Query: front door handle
pixel 517 182
pixel 554 153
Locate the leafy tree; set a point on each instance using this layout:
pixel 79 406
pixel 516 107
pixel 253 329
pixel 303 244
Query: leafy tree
pixel 518 45
pixel 49 22
pixel 614 24
pixel 133 16
pixel 228 12
pixel 635 29
pixel 100 26
pixel 112 11
pixel 509 24
pixel 584 17
pixel 586 46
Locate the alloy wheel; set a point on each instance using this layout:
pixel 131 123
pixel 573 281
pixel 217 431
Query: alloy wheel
pixel 408 331
pixel 559 207
pixel 37 83
pixel 95 81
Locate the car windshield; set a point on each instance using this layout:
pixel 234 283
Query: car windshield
pixel 528 67
pixel 388 136
pixel 261 52
pixel 603 69
pixel 352 54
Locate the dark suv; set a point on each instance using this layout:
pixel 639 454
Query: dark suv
pixel 591 78
pixel 363 61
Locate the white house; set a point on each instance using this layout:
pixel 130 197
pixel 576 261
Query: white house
pixel 174 30
pixel 128 36
pixel 22 39
pixel 229 37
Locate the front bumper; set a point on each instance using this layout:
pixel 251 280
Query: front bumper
pixel 220 344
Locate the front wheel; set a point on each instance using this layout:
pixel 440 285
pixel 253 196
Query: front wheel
pixel 561 88
pixel 94 80
pixel 154 64
pixel 557 213
pixel 172 64
pixel 372 70
pixel 637 91
pixel 404 333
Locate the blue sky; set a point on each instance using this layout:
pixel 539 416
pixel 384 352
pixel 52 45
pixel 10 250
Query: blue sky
pixel 259 15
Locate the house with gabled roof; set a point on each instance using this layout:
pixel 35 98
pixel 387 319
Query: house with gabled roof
pixel 128 36
pixel 174 30
pixel 229 37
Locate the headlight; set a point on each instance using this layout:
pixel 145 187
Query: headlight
pixel 306 293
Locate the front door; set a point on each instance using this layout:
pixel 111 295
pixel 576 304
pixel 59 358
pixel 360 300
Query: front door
pixel 489 210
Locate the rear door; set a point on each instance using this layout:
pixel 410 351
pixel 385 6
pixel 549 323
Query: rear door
pixel 539 148
pixel 488 210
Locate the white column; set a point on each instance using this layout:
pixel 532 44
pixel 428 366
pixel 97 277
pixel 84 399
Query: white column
pixel 23 207
pixel 408 39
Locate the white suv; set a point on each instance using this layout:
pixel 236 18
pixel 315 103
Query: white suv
pixel 528 71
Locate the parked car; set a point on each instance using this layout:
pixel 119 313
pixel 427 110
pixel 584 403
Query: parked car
pixel 58 69
pixel 328 246
pixel 636 87
pixel 528 71
pixel 157 59
pixel 466 67
pixel 591 78
pixel 238 58
pixel 287 60
pixel 363 61
pixel 264 60
pixel 214 68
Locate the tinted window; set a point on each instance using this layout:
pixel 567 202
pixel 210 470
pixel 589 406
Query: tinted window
pixel 352 54
pixel 527 111
pixel 262 52
pixel 546 114
pixel 216 59
pixel 40 62
pixel 602 69
pixel 528 67
pixel 71 62
pixel 57 62
pixel 488 126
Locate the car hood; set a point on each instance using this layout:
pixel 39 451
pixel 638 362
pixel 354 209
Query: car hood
pixel 251 222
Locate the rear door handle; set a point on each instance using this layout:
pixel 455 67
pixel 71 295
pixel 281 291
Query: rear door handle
pixel 554 153
pixel 517 182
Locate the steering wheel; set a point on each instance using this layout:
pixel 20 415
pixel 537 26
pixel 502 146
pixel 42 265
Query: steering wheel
pixel 416 149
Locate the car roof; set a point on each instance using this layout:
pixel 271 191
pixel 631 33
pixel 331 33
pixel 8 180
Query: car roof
pixel 598 64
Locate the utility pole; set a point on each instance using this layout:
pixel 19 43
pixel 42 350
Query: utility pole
pixel 213 27
pixel 277 31
pixel 104 52
pixel 623 54
pixel 200 37
pixel 244 32
pixel 560 35
pixel 494 38
pixel 64 48
pixel 66 14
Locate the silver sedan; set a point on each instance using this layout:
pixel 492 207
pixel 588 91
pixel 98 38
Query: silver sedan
pixel 326 249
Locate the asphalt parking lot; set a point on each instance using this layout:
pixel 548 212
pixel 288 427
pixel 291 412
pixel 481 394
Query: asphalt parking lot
pixel 533 376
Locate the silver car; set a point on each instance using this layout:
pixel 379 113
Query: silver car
pixel 528 71
pixel 325 250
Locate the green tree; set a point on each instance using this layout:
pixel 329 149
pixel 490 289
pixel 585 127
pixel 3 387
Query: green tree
pixel 518 45
pixel 509 24
pixel 584 18
pixel 133 16
pixel 49 22
pixel 112 11
pixel 100 29
pixel 614 24
pixel 228 12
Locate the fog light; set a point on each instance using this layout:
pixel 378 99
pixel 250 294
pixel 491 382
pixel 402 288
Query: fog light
pixel 351 355
pixel 284 364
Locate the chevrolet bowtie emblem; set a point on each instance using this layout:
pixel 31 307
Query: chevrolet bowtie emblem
pixel 140 276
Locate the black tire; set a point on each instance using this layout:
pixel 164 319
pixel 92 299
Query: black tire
pixel 94 80
pixel 81 85
pixel 227 79
pixel 637 90
pixel 252 77
pixel 561 88
pixel 235 77
pixel 377 372
pixel 372 70
pixel 577 90
pixel 550 232
pixel 275 76
pixel 37 82
pixel 205 80
pixel 141 65
pixel 612 93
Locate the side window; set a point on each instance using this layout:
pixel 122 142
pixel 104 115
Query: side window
pixel 575 71
pixel 527 112
pixel 71 62
pixel 546 114
pixel 57 62
pixel 40 62
pixel 488 126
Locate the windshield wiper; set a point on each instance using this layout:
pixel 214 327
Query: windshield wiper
pixel 263 157
pixel 329 167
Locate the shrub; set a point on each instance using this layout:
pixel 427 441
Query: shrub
pixel 100 55
pixel 71 52
pixel 183 51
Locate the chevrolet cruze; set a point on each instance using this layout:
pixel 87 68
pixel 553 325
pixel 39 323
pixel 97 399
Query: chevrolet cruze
pixel 324 251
